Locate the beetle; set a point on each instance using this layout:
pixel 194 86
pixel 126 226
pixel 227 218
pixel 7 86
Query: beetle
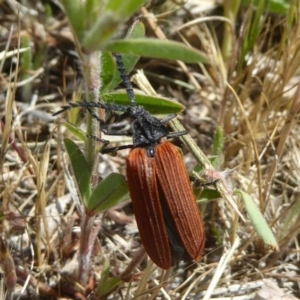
pixel 165 207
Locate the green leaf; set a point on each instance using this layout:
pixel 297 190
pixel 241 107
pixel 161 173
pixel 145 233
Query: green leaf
pixel 109 70
pixel 273 6
pixel 218 142
pixel 216 159
pixel 105 270
pixel 124 8
pixel 155 105
pixel 208 194
pixel 156 48
pixel 92 9
pixel 106 284
pixel 75 12
pixel 129 63
pixel 255 23
pixel 80 169
pixel 109 192
pixel 26 67
pixel 106 25
pixel 258 221
pixel 218 147
pixel 76 131
pixel 137 30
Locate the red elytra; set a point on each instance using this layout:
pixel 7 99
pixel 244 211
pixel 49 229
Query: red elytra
pixel 164 204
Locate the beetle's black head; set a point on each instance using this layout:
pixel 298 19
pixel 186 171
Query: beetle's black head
pixel 147 131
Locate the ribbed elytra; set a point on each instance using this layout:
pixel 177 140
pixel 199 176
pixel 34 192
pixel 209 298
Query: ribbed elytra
pixel 164 204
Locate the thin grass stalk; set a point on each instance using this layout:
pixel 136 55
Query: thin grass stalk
pixel 230 12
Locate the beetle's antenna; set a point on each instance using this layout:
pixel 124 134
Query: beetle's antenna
pixel 125 78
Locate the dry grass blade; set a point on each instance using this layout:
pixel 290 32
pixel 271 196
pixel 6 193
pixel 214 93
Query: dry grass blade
pixel 220 269
pixel 285 131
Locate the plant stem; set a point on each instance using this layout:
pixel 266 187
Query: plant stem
pixel 92 77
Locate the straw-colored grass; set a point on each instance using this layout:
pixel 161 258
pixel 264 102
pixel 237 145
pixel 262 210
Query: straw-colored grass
pixel 252 94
